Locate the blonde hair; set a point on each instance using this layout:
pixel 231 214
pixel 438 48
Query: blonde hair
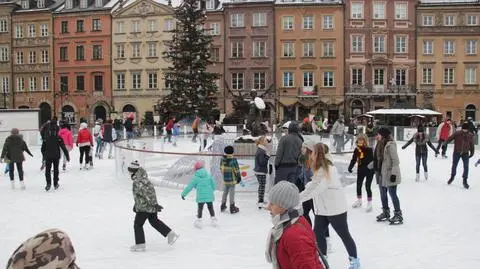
pixel 321 160
pixel 261 141
pixel 364 138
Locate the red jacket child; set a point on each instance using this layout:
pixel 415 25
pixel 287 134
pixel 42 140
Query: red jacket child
pixel 84 137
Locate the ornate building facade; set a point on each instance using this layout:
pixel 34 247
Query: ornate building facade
pixel 6 64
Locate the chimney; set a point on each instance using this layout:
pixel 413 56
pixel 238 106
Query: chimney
pixel 170 2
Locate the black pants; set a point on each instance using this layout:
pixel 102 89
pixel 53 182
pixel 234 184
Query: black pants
pixel 48 169
pixel 19 169
pixel 441 145
pixel 140 219
pixel 307 207
pixel 340 225
pixel 262 181
pixel 210 209
pixel 423 158
pixel 195 134
pixel 169 136
pixel 361 175
pixel 85 151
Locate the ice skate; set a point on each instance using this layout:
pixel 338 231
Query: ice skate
pixel 354 263
pixel 385 215
pixel 397 218
pixel 465 184
pixel 47 188
pixel 369 207
pixel 64 166
pixel 234 209
pixel 223 207
pixel 417 177
pixel 357 203
pixel 198 223
pixel 56 186
pixel 91 165
pixel 477 163
pixel 22 185
pixel 450 180
pixel 12 184
pixel 213 221
pixel 329 245
pixel 262 205
pixel 444 156
pixel 425 175
pixel 138 248
pixel 172 237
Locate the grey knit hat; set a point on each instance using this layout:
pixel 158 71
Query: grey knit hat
pixel 285 195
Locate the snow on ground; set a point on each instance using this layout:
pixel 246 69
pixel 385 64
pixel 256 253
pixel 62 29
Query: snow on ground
pixel 95 209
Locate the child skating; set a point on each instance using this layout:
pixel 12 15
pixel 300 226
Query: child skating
pixel 261 169
pixel 231 177
pixel 363 157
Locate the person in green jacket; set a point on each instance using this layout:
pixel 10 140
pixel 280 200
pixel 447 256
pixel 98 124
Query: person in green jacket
pixel 205 185
pixel 12 153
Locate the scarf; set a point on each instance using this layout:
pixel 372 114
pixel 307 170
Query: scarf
pixel 279 223
pixel 379 150
pixel 361 154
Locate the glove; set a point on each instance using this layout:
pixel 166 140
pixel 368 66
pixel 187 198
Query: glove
pixel 242 183
pixel 158 208
pixel 183 197
pixel 393 178
pixel 270 169
pixel 31 155
pixel 471 155
pixel 403 147
pixel 134 209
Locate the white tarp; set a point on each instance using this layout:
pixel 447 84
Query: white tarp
pixel 399 111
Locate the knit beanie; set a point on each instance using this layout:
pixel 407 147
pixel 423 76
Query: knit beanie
pixel 198 165
pixel 133 167
pixel 420 129
pixel 309 144
pixel 465 126
pixel 284 194
pixel 228 150
pixel 384 132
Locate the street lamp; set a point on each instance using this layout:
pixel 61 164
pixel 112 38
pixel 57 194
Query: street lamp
pixel 4 99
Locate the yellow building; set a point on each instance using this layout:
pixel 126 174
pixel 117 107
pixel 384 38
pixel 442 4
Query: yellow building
pixel 448 60
pixel 139 32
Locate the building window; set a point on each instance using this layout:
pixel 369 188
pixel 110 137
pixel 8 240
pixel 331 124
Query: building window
pixel 152 80
pixel 120 27
pixel 428 47
pixel 210 4
pixel 237 20
pixel 136 80
pixel 472 20
pixel 379 44
pixel 357 77
pixel 135 50
pixel 120 81
pixel 80 83
pixel 19 57
pixel 41 3
pixel 449 47
pixel 32 84
pixel 237 81
pixel 44 56
pixel 96 25
pixel 152 49
pixel 83 4
pixel 215 55
pixel 328 22
pixel 99 3
pixel 64 27
pixel 427 20
pixel 98 83
pixel 288 79
pixel 120 51
pixel 43 30
pixel 3 25
pixel 80 53
pixel 357 10
pixel 25 4
pixel 259 19
pixel 20 84
pixel 152 25
pixel 288 49
pixel 4 84
pixel 97 52
pixel 379 11
pixel 68 4
pixel 237 49
pixel 308 22
pixel 32 57
pixel 168 24
pixel 401 11
pixel 401 77
pixel 449 20
pixel 45 83
pixel 135 26
pixel 471 47
pixel 80 26
pixel 328 79
pixel 31 30
pixel 18 31
pixel 308 79
pixel 470 75
pixel 215 28
pixel 259 48
pixel 287 23
pixel 63 54
pixel 400 44
pixel 379 77
pixel 64 83
pixel 308 49
pixel 449 75
pixel 427 76
pixel 259 80
pixel 328 50
pixel 4 54
pixel 357 44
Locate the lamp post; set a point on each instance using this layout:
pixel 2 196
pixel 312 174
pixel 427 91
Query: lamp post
pixel 4 100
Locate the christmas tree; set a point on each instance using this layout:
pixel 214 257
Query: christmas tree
pixel 193 88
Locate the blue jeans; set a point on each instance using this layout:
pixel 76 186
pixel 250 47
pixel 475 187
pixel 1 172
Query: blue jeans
pixel 130 135
pixel 456 159
pixel 393 195
pixel 423 158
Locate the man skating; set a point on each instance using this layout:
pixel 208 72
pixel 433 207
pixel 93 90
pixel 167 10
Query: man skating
pixel 463 149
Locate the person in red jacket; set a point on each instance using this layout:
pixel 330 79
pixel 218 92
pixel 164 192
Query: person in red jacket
pixel 292 243
pixel 85 143
pixel 169 128
pixel 444 130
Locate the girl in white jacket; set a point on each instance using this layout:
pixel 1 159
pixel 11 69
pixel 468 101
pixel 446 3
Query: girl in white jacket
pixel 329 203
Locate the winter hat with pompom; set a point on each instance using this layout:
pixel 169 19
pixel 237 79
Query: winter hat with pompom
pixel 284 194
pixel 198 165
pixel 133 167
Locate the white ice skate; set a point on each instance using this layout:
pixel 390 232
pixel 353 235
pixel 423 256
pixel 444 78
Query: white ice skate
pixel 329 245
pixel 417 178
pixel 22 185
pixel 12 184
pixel 369 207
pixel 172 237
pixel 357 203
pixel 426 175
pixel 138 248
pixel 214 221
pixel 198 223
pixel 262 205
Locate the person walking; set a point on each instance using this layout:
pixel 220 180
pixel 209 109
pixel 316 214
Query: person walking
pixel 109 135
pixel 261 169
pixel 288 151
pixel 146 207
pixel 195 124
pixel 329 202
pixel 421 151
pixel 52 146
pixel 464 149
pixel 12 153
pixel 291 242
pixel 67 138
pixel 444 131
pixel 363 157
pixel 387 172
pixel 85 144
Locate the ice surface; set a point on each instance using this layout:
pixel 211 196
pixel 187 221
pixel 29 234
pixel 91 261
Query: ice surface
pixel 95 209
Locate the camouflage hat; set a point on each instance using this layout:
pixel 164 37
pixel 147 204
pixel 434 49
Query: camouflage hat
pixel 49 249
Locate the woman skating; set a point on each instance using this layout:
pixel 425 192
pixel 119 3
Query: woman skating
pixel 12 153
pixel 67 138
pixel 363 156
pixel 85 144
pixel 421 151
pixel 261 169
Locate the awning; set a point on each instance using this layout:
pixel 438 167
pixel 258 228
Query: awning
pixel 399 111
pixel 288 101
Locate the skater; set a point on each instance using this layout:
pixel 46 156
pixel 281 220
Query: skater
pixel 195 125
pixel 288 151
pixel 363 156
pixel 128 125
pixel 205 185
pixel 291 243
pixel 387 172
pixel 206 131
pixel 85 144
pixel 329 203
pixel 12 153
pixel 109 135
pixel 370 132
pixel 261 169
pixel 169 128
pixel 338 133
pixel 351 132
pixel 67 138
pixel 175 133
pixel 464 149
pixel 51 150
pixel 421 151
pixel 231 177
pixel 146 207
pixel 444 131
pixel 97 133
pixel 44 130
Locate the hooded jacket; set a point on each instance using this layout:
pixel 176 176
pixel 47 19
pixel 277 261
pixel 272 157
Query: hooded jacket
pixel 204 184
pixel 67 137
pixel 230 170
pixel 421 141
pixel 289 147
pixel 14 147
pixel 444 130
pixel 84 137
pixel 144 193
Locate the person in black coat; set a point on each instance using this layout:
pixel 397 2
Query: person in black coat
pixel 108 135
pixel 261 168
pixel 363 156
pixel 12 152
pixel 421 140
pixel 51 146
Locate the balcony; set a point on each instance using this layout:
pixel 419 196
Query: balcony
pixel 265 93
pixel 381 90
pixel 304 92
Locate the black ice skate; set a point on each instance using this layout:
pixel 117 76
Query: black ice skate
pixel 56 186
pixel 385 215
pixel 223 207
pixel 64 166
pixel 465 184
pixel 450 180
pixel 234 209
pixel 397 218
pixel 47 188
